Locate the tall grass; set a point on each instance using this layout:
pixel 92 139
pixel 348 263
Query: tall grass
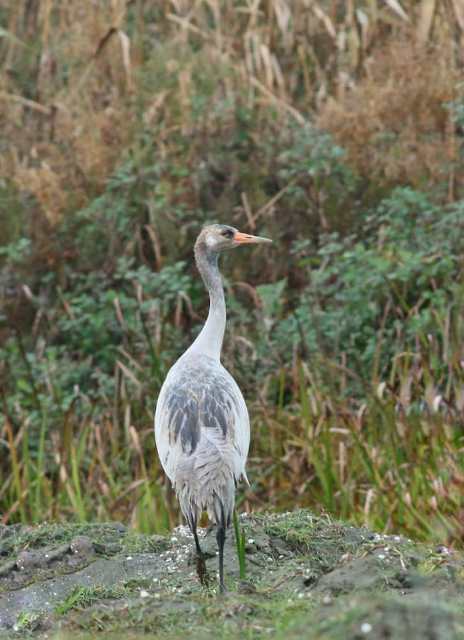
pixel 393 461
pixel 80 83
pixel 84 481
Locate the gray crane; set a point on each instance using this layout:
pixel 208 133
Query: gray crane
pixel 202 429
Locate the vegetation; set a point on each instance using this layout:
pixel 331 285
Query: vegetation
pixel 86 596
pixel 334 128
pixel 307 576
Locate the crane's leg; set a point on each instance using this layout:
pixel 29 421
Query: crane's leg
pixel 221 538
pixel 201 564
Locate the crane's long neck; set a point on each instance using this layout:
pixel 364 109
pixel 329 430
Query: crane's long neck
pixel 209 340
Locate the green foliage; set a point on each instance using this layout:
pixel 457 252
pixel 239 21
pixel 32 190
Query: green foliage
pixel 357 303
pixel 16 252
pixel 320 187
pixel 82 597
pixel 28 621
pixel 385 290
pixel 240 546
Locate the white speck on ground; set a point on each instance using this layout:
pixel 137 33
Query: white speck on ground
pixel 366 627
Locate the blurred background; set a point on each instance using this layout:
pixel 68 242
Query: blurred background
pixel 337 129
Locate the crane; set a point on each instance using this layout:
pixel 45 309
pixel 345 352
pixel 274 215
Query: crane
pixel 202 429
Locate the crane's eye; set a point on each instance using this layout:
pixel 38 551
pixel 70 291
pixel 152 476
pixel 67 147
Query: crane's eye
pixel 227 233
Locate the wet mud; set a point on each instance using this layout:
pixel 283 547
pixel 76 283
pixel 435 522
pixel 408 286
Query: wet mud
pixel 306 576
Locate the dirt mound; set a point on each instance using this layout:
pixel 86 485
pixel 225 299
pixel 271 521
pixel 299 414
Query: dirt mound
pixel 306 576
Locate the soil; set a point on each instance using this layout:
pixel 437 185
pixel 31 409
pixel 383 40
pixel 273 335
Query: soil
pixel 306 577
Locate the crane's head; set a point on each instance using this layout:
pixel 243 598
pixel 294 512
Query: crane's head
pixel 218 237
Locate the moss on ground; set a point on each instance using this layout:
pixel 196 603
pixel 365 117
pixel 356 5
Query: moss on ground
pixel 107 538
pixel 305 576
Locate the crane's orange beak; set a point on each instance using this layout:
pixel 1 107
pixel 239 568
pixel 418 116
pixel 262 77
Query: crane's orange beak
pixel 245 238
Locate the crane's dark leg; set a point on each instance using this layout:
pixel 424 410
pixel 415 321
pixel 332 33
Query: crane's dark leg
pixel 221 538
pixel 201 564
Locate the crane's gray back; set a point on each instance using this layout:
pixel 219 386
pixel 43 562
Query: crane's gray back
pixel 201 412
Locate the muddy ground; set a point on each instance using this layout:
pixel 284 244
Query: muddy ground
pixel 306 577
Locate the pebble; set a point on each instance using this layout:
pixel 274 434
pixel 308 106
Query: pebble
pixel 444 551
pixel 29 560
pixel 366 627
pixel 81 545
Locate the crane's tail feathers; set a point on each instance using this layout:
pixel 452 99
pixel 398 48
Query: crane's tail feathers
pixel 219 508
pixel 192 515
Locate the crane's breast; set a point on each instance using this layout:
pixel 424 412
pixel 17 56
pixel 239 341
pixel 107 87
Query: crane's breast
pixel 199 402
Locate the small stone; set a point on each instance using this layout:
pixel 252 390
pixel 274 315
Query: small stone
pixel 81 545
pixel 442 550
pixel 144 594
pixel 366 627
pixel 29 560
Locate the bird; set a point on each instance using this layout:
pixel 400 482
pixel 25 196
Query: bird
pixel 202 427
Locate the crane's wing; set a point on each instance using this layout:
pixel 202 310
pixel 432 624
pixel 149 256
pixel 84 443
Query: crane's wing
pixel 200 417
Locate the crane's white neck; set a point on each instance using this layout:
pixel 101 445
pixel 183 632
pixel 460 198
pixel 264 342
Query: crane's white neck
pixel 209 340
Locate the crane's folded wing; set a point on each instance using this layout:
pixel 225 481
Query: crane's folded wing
pixel 200 415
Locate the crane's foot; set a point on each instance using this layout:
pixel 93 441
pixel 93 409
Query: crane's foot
pixel 202 572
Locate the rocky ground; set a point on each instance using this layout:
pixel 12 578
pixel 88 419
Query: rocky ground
pixel 306 577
